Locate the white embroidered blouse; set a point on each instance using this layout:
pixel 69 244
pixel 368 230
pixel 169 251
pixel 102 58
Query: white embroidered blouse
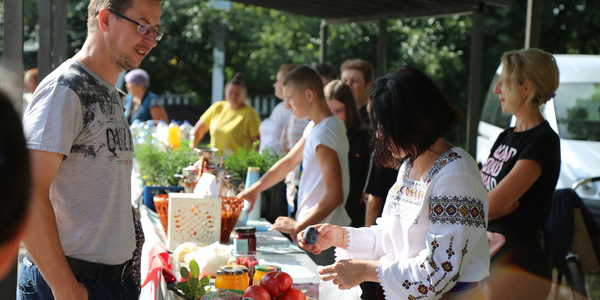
pixel 432 234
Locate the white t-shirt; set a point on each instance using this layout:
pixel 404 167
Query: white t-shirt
pixel 76 113
pixel 270 129
pixel 432 233
pixel 331 132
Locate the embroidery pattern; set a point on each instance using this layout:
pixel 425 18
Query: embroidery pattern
pixel 407 195
pixel 457 210
pixel 422 289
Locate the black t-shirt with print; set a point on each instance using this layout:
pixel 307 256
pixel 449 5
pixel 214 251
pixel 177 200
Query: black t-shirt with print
pixel 540 144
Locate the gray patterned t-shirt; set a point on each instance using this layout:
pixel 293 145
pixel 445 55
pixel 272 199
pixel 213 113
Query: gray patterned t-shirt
pixel 76 113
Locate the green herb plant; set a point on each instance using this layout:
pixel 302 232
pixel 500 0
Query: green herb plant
pixel 239 163
pixel 157 165
pixel 193 286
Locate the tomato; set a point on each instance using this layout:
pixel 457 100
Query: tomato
pixel 293 294
pixel 257 292
pixel 276 283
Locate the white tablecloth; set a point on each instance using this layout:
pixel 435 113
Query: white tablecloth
pixel 274 248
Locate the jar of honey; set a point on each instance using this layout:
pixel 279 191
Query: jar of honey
pixel 231 278
pixel 244 269
pixel 261 270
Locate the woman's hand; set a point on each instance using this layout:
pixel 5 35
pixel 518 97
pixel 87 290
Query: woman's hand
pixel 329 236
pixel 347 274
pixel 285 225
pixel 250 195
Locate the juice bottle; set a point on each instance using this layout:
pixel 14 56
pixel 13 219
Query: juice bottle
pixel 174 134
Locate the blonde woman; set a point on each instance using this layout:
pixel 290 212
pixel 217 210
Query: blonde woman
pixel 520 175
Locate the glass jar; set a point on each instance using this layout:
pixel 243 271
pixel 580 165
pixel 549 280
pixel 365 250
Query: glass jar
pixel 231 278
pixel 244 269
pixel 261 270
pixel 245 239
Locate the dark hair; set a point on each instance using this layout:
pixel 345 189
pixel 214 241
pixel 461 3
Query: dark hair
pixel 326 70
pixel 360 65
pixel 410 112
pixel 14 171
pixel 303 78
pixel 338 90
pixel 237 79
pixel 95 6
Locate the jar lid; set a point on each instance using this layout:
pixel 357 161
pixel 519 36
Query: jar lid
pixel 267 268
pixel 230 270
pixel 241 267
pixel 245 229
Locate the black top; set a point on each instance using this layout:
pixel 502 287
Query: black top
pixel 359 158
pixel 380 179
pixel 540 144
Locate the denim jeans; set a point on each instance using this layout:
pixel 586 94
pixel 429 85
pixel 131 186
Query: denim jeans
pixel 31 285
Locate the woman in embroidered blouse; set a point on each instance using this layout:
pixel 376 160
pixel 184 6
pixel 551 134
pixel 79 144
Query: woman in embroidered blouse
pixel 431 240
pixel 520 175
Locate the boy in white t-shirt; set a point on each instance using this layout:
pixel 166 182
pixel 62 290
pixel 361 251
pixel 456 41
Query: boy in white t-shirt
pixel 323 151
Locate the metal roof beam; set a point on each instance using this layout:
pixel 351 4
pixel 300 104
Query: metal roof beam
pixel 420 13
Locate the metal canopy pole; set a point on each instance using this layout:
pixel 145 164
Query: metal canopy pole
pixel 534 20
pixel 44 52
pixel 12 76
pixel 324 37
pixel 381 48
pixel 475 70
pixel 59 36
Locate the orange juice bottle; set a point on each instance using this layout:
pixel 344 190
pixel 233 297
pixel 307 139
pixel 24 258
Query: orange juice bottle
pixel 174 134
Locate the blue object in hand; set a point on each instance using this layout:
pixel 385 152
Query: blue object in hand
pixel 311 235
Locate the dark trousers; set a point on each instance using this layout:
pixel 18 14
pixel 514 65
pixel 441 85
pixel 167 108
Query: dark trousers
pixel 31 285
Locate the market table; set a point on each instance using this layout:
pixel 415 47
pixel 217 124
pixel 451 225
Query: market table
pixel 273 246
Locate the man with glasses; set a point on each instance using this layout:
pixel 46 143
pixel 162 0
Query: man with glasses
pixel 81 236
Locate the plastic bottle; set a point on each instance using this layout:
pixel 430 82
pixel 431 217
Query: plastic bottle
pixel 252 177
pixel 186 134
pixel 174 134
pixel 147 134
pixel 135 128
pixel 162 132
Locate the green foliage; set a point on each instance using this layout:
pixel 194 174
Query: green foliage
pixel 157 166
pixel 239 163
pixel 193 286
pixel 258 40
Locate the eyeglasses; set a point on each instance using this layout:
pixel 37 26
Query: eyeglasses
pixel 143 29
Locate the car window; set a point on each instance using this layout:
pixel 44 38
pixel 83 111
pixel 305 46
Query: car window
pixel 492 111
pixel 577 107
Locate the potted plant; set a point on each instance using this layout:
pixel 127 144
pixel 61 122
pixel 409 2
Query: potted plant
pixel 157 166
pixel 273 203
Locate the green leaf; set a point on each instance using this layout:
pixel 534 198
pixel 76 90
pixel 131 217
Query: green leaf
pixel 193 282
pixel 184 272
pixel 195 269
pixel 205 280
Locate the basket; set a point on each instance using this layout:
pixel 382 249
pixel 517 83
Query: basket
pixel 230 211
pixel 161 203
pixel 151 191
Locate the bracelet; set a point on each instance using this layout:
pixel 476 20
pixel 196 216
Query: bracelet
pixel 343 235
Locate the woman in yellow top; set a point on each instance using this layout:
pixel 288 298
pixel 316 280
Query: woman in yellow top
pixel 232 123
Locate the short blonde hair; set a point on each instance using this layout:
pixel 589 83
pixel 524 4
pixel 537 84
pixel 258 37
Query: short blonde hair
pixel 535 65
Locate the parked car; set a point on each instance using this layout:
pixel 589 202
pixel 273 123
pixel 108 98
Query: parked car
pixel 574 113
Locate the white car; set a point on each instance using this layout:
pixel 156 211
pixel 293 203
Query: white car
pixel 574 113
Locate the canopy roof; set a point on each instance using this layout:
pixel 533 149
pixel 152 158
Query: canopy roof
pixel 346 11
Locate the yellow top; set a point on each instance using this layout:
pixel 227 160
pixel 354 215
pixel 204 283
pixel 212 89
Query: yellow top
pixel 231 129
